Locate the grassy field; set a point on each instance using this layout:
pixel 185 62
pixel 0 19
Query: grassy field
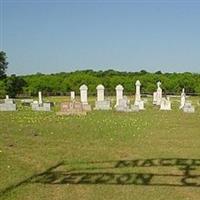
pixel 150 155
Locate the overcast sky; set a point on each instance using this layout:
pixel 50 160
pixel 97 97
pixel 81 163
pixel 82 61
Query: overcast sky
pixel 52 36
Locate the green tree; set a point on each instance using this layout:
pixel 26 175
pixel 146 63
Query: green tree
pixel 2 89
pixel 14 85
pixel 3 64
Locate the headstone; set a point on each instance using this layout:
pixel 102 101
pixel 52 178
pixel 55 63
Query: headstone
pixel 137 94
pixel 8 100
pixel 83 93
pixel 40 97
pixel 165 104
pixel 101 103
pixel 72 108
pixel 135 108
pixel 39 105
pixel 8 105
pixel 119 94
pixel 138 101
pixel 100 92
pixel 84 100
pixel 123 105
pixel 157 96
pixel 188 108
pixel 183 99
pixel 72 95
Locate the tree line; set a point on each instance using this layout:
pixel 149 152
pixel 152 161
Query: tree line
pixel 64 82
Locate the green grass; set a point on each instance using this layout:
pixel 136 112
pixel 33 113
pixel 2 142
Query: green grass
pixel 91 147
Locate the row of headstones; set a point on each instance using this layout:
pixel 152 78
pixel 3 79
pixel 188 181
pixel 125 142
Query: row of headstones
pixel 165 103
pixel 9 104
pixel 122 102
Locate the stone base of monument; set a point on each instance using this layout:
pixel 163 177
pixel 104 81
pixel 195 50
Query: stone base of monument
pixel 140 104
pixel 188 108
pixel 41 107
pixel 135 108
pixel 86 107
pixel 8 101
pixel 123 106
pixel 158 103
pixel 122 109
pixel 165 104
pixel 71 108
pixel 102 105
pixel 7 107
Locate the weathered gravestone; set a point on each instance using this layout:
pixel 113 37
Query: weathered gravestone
pixel 139 103
pixel 8 105
pixel 84 99
pixel 188 108
pixel 101 103
pixel 119 94
pixel 183 99
pixel 157 96
pixel 72 96
pixel 39 105
pixel 71 108
pixel 122 102
pixel 123 105
pixel 165 104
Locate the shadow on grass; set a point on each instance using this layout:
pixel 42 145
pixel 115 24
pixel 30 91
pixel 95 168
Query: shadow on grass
pixel 173 172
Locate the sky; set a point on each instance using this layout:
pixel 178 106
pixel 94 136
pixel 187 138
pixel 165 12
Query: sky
pixel 50 36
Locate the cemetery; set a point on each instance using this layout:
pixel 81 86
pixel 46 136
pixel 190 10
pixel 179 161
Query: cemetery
pixel 99 100
pixel 122 103
pixel 104 141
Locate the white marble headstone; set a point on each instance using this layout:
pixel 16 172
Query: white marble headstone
pixel 100 92
pixel 159 94
pixel 123 105
pixel 165 104
pixel 188 108
pixel 72 95
pixel 183 99
pixel 119 93
pixel 138 101
pixel 83 94
pixel 40 97
pixel 155 98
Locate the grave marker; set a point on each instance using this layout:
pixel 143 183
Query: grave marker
pixel 138 101
pixel 101 103
pixel 84 98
